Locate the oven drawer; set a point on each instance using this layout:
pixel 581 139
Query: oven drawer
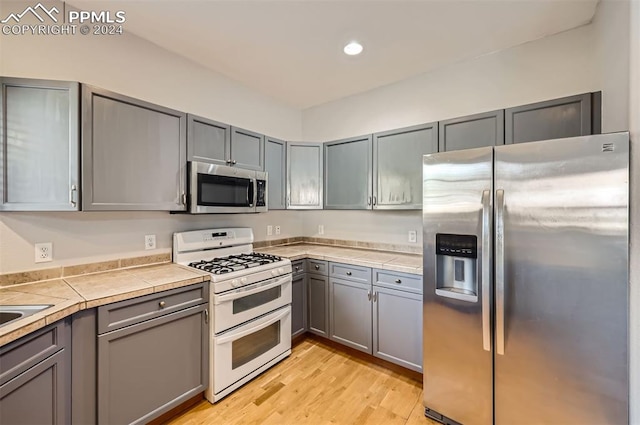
pixel 242 350
pixel 129 312
pixel 318 267
pixel 237 306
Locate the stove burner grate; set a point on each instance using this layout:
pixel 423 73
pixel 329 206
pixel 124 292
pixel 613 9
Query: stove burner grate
pixel 234 263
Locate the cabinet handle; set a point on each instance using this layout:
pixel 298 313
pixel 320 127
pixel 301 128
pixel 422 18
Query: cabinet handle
pixel 348 273
pixel 369 295
pixel 317 267
pixel 72 192
pixel 398 281
pixel 375 296
pixel 206 316
pixel 375 200
pixel 369 200
pixel 161 304
pixel 228 161
pixel 183 197
pixel 233 162
pixel 297 268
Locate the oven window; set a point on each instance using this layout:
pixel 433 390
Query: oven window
pixel 256 300
pixel 223 191
pixel 254 345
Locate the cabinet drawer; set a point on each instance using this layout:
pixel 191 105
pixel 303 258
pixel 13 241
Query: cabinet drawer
pixel 395 280
pixel 349 272
pixel 317 267
pixel 24 353
pixel 129 312
pixel 298 267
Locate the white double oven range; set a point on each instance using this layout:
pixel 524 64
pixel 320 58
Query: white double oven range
pixel 250 304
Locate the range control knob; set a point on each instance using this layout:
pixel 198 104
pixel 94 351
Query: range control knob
pixel 274 272
pixel 234 282
pixel 280 270
pixel 243 280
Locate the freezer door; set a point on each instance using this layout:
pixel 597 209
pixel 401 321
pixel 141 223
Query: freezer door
pixel 562 281
pixel 457 219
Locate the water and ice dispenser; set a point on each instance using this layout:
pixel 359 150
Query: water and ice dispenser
pixel 456 266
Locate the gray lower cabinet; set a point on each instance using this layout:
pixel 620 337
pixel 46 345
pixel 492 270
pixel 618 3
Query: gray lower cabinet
pixel 35 378
pixel 298 305
pixel 133 153
pixel 304 176
pixel 350 314
pixel 318 304
pixel 348 174
pixel 554 119
pixel 149 367
pixel 208 141
pixel 39 145
pixel 397 166
pixel 247 149
pixel 473 131
pixel 275 153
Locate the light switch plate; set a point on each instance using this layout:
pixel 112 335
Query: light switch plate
pixel 413 236
pixel 269 230
pixel 321 229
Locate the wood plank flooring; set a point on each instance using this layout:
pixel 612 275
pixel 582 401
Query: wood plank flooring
pixel 317 384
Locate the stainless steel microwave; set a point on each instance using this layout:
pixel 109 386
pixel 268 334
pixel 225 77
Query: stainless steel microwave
pixel 222 189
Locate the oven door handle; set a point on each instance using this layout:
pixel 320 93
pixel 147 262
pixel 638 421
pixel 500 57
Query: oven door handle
pixel 237 335
pixel 235 294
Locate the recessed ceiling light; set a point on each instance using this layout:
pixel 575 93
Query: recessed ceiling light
pixel 353 48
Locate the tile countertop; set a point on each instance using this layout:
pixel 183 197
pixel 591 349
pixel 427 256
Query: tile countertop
pixel 387 260
pixel 71 294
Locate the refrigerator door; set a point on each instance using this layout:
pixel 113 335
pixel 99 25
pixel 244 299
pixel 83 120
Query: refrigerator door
pixel 457 219
pixel 561 258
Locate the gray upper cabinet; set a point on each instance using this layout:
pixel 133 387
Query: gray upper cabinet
pixel 553 119
pixel 275 152
pixel 304 176
pixel 347 174
pixel 473 131
pixel 133 154
pixel 39 145
pixel 208 141
pixel 397 166
pixel 247 149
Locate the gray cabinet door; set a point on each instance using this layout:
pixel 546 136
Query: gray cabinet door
pixel 350 314
pixel 473 131
pixel 397 166
pixel 208 141
pixel 553 119
pixel 298 305
pixel 304 176
pixel 147 369
pixel 275 152
pixel 318 304
pixel 133 154
pixel 247 149
pixel 397 327
pixel 347 174
pixel 39 145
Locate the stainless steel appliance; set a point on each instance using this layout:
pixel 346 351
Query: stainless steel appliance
pixel 526 283
pixel 250 304
pixel 222 189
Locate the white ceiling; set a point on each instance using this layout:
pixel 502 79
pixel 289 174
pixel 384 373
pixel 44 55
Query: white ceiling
pixel 292 50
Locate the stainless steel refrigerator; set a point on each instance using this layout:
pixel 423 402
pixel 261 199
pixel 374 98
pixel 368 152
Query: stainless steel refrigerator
pixel 526 283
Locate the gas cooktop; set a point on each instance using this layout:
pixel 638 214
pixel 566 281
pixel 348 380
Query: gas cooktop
pixel 233 263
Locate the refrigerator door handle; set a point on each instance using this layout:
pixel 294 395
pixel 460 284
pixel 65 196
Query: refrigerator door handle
pixel 486 270
pixel 500 319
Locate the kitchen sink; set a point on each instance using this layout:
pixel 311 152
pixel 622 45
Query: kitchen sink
pixel 9 313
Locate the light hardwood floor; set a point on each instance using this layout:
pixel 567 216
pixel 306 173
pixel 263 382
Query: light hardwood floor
pixel 317 384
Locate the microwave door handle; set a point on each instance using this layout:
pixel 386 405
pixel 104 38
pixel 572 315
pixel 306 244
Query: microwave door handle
pixel 219 299
pixel 235 336
pixel 252 193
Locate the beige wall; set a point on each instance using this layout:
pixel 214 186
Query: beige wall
pixel 634 126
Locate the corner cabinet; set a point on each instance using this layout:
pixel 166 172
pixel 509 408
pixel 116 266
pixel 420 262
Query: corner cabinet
pixel 298 299
pixel 397 166
pixel 39 145
pixel 133 154
pixel 35 378
pixel 348 174
pixel 275 153
pixel 473 131
pixel 304 176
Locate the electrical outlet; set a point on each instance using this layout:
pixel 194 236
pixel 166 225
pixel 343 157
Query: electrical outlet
pixel 413 236
pixel 321 229
pixel 269 230
pixel 44 252
pixel 277 230
pixel 150 242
